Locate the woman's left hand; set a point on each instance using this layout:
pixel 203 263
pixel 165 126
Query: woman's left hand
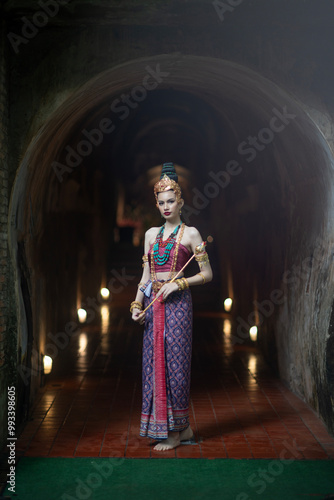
pixel 167 289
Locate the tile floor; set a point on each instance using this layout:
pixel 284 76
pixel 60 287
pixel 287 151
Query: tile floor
pixel 90 403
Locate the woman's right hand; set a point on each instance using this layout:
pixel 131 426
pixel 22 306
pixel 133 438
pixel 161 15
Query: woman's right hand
pixel 138 316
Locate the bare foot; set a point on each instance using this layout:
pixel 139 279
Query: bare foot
pixel 171 442
pixel 187 434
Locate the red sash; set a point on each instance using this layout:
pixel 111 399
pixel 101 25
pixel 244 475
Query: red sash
pixel 160 395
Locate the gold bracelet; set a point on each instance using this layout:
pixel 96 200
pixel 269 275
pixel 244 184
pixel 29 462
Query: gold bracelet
pixel 202 276
pixel 136 305
pixel 182 283
pixel 179 283
pixel 140 284
pixel 186 284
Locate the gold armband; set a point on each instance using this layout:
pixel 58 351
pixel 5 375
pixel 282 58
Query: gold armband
pixel 202 259
pixel 145 259
pixel 136 305
pixel 202 276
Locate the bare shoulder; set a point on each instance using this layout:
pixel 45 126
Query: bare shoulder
pixel 150 235
pixel 192 232
pixel 152 231
pixel 192 237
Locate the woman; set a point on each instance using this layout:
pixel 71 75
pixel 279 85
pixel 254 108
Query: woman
pixel 168 322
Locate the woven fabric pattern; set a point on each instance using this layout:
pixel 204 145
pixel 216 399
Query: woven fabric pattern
pixel 170 366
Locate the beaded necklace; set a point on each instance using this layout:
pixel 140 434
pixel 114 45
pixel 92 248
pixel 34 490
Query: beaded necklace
pixel 173 266
pixel 168 244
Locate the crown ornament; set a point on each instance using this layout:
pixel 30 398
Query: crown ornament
pixel 167 182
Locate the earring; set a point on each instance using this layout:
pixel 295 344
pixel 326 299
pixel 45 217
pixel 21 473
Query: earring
pixel 180 212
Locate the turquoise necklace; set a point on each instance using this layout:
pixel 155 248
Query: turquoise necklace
pixel 168 244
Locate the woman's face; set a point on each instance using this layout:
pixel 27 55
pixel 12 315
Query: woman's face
pixel 168 205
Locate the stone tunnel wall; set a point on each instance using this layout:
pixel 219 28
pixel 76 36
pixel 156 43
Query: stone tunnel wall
pixel 61 57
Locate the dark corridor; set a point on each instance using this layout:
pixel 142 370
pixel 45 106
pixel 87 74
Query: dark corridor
pixel 238 142
pixel 94 97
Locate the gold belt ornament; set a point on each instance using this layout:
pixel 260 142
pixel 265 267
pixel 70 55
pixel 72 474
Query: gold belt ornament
pixel 156 285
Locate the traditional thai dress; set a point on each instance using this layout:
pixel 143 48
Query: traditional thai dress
pixel 167 346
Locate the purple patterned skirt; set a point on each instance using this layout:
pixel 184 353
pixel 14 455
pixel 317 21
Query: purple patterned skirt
pixel 167 345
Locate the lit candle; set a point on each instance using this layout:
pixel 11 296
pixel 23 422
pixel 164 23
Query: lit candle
pixel 228 304
pixel 47 364
pixel 253 333
pixel 105 293
pixel 82 315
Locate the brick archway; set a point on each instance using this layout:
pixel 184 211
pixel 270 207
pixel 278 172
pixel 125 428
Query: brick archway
pixel 278 196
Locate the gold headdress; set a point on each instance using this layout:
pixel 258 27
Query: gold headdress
pixel 168 181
